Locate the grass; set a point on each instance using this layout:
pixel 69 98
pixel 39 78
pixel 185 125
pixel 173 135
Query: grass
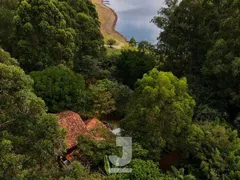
pixel 112 51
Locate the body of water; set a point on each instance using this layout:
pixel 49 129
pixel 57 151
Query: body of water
pixel 134 18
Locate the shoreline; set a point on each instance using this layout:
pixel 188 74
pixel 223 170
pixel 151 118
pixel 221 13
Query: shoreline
pixel 115 21
pixel 108 21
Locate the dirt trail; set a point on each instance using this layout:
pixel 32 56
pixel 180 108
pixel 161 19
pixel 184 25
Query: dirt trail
pixel 108 19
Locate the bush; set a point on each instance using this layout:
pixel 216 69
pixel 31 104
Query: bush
pixel 61 89
pixel 131 65
pixel 109 96
pixel 111 42
pixel 159 111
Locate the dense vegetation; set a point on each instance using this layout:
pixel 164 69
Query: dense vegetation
pixel 179 100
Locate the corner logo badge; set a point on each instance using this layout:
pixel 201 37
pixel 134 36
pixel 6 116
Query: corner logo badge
pixel 120 162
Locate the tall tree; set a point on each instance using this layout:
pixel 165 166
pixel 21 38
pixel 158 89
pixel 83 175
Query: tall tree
pixel 131 65
pixel 109 96
pixel 159 112
pixel 103 100
pixel 133 42
pixel 41 36
pixel 221 70
pixel 81 16
pixel 214 151
pixel 200 41
pixel 29 137
pixel 188 29
pixel 7 11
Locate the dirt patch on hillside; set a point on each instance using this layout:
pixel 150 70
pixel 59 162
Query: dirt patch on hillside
pixel 108 19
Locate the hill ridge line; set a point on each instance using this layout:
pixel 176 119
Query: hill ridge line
pixel 108 18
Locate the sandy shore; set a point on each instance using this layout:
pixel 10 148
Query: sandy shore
pixel 108 19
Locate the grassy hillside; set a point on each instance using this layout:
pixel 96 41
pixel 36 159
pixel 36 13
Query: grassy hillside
pixel 108 19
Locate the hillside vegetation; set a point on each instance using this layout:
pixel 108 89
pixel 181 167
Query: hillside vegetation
pixel 179 101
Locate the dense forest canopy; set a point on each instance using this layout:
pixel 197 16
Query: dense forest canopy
pixel 178 100
pixel 200 40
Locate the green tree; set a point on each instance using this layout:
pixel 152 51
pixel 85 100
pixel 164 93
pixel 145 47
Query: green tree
pixel 92 152
pixel 120 93
pixel 81 16
pixel 109 96
pixel 144 46
pixel 222 72
pixel 79 172
pixel 29 137
pixel 221 68
pixel 149 170
pixel 108 65
pixel 199 41
pixel 41 37
pixel 89 67
pixel 5 58
pixel 103 100
pixel 142 170
pixel 111 42
pixel 159 112
pixel 178 174
pixel 10 161
pixel 139 152
pixel 187 34
pixel 133 42
pixel 214 151
pixel 131 65
pixel 61 89
pixel 97 68
pixel 7 10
